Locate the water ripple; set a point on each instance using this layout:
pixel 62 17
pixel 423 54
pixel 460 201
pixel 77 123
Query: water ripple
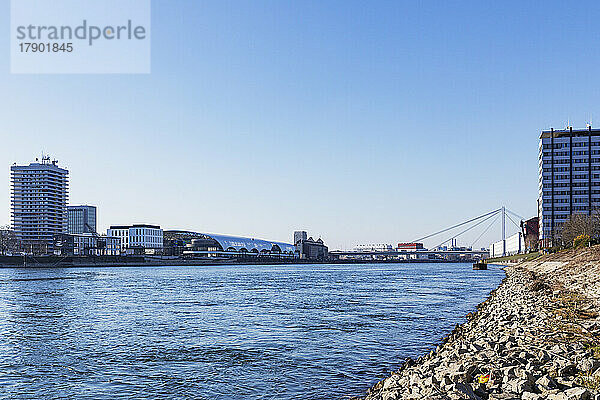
pixel 233 332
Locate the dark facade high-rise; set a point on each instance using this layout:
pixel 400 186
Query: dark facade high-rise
pixel 569 177
pixel 81 219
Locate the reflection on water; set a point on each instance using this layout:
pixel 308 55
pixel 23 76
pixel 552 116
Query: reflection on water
pixel 232 332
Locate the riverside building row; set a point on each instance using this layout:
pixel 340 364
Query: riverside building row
pixel 569 177
pixel 43 224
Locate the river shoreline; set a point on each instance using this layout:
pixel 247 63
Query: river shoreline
pixel 140 261
pixel 537 336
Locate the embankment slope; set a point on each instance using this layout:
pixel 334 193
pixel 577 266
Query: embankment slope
pixel 536 337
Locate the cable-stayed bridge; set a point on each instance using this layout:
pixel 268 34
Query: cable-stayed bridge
pixel 448 235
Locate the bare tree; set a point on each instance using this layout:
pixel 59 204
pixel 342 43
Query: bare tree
pixel 580 224
pixel 532 242
pixel 8 240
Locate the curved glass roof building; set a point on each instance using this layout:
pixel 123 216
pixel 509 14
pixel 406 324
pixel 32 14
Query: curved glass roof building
pixel 237 243
pixel 208 242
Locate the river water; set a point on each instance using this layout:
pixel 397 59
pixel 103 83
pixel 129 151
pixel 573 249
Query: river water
pixel 232 332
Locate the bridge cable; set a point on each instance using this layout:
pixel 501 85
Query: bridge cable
pixel 456 226
pixel 466 230
pixel 486 229
pixel 514 214
pixel 511 220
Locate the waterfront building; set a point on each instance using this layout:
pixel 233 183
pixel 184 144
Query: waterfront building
pixel 108 245
pixel 410 246
pixel 531 231
pixel 138 239
pixel 512 245
pixel 300 236
pixel 195 244
pixel 373 247
pixel 39 195
pixel 81 219
pixel 311 249
pixel 86 244
pixel 569 177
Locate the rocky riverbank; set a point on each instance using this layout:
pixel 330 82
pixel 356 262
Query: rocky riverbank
pixel 536 337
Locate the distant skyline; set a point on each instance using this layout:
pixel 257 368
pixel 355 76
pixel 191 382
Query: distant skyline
pixel 359 122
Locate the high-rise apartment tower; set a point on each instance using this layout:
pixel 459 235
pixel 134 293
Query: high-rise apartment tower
pixel 39 194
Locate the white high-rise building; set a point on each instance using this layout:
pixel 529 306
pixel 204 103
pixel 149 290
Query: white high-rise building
pixel 39 194
pixel 569 177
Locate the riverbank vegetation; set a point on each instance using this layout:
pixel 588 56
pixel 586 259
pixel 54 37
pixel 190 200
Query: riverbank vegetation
pixel 513 258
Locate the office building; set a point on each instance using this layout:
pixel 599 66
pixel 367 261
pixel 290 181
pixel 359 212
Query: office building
pixel 138 239
pixel 300 236
pixel 569 178
pixel 81 219
pixel 86 244
pixel 39 195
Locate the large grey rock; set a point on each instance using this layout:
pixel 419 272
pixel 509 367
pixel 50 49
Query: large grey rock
pixel 525 375
pixel 520 386
pixel 466 391
pixel 530 396
pixel 588 365
pixel 504 396
pixel 546 382
pixel 577 393
pixel 390 396
pixel 567 369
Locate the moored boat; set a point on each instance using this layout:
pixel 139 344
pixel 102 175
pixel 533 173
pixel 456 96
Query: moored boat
pixel 480 265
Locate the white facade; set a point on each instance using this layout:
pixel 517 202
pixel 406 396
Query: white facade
pixel 373 247
pixel 497 249
pixel 39 194
pixel 146 237
pixel 569 177
pixel 515 244
pixel 414 255
pixel 512 245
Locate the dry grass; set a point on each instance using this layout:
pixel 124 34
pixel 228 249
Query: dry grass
pixel 587 380
pixel 570 309
pixel 573 306
pixel 513 258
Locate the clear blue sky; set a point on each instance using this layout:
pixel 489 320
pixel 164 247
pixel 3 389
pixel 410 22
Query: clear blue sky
pixel 357 121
